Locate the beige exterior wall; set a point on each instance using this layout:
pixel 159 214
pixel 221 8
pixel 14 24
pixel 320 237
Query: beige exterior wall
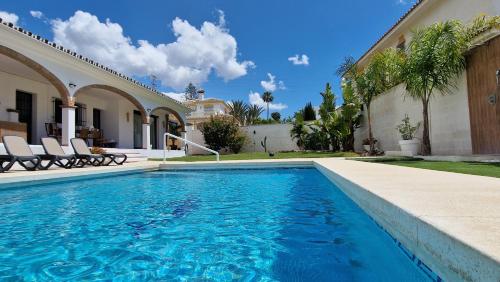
pixel 449 115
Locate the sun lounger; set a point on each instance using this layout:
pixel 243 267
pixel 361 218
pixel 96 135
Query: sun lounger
pixel 84 156
pixel 55 154
pixel 20 152
pixel 6 162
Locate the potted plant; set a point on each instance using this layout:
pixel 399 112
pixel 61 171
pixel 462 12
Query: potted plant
pixel 366 144
pixel 408 143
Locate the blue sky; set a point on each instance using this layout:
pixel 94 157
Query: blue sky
pixel 228 47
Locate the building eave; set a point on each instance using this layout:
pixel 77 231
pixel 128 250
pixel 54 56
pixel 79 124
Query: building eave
pixel 414 9
pixel 91 63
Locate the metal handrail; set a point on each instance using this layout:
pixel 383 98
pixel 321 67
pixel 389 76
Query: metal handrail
pixel 186 141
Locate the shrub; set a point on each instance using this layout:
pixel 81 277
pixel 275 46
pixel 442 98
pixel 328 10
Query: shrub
pixel 237 143
pixel 222 133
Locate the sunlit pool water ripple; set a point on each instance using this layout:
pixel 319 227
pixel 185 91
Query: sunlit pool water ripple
pixel 248 225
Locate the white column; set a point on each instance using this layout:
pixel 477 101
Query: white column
pixel 146 136
pixel 68 125
pixel 183 135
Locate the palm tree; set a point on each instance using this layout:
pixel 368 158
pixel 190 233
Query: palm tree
pixel 382 73
pixel 253 113
pixel 435 57
pixel 238 109
pixel 268 98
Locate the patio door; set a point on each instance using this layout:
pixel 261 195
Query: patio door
pixel 137 130
pixel 24 104
pixel 153 127
pixel 483 82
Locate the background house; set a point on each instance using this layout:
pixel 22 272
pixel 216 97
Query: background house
pixel 204 108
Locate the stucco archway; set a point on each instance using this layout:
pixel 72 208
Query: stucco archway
pixel 176 115
pixel 120 92
pixel 56 82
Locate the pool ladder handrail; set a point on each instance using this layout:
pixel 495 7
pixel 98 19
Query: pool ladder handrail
pixel 185 141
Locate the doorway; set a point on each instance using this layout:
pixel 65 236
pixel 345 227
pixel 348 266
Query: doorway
pixel 483 82
pixel 137 130
pixel 96 118
pixel 153 127
pixel 24 105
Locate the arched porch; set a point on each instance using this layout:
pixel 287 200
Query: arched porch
pixel 164 119
pixel 26 96
pixel 118 116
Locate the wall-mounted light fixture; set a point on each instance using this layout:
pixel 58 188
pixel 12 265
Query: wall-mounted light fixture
pixel 128 116
pixel 72 85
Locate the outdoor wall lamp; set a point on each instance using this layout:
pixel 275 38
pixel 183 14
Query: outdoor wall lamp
pixel 72 85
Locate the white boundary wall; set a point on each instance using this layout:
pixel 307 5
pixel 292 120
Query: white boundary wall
pixel 278 138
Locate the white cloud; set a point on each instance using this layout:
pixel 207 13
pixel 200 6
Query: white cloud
pixel 270 85
pixel 191 58
pixel 9 17
pixel 256 99
pixel 299 60
pixel 181 97
pixel 222 18
pixel 36 14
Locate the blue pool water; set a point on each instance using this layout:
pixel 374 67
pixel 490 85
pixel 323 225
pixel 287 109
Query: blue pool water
pixel 248 225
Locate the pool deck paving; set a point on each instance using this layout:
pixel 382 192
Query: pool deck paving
pixel 450 221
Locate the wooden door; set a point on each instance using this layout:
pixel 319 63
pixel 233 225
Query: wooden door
pixel 483 64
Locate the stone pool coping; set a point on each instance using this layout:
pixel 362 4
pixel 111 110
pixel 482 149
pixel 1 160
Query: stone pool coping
pixel 450 221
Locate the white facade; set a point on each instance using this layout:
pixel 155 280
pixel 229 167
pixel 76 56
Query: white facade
pixel 49 72
pixel 450 131
pixel 203 109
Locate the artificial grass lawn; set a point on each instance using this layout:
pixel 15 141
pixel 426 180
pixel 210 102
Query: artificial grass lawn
pixel 474 168
pixel 262 155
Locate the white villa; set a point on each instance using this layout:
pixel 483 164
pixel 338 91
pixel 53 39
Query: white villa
pixel 464 123
pixel 47 90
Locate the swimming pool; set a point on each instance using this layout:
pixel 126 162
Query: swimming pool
pixel 250 225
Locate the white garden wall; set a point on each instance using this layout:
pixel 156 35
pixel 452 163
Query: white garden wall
pixel 278 138
pixel 449 120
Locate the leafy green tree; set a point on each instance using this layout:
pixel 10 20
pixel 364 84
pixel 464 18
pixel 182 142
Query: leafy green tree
pixel 238 109
pixel 191 93
pixel 276 116
pixel 222 133
pixel 268 98
pixel 253 114
pixel 434 59
pixel 330 121
pixel 308 112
